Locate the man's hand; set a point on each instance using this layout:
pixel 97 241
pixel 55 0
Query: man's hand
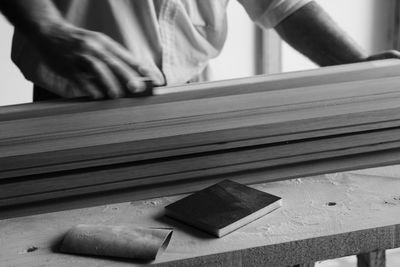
pixel 98 66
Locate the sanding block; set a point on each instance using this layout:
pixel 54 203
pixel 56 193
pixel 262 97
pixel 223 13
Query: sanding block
pixel 116 241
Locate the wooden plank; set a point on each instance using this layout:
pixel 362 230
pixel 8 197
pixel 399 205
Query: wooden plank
pixel 199 166
pixel 144 177
pixel 65 139
pixel 102 120
pixel 305 229
pixel 64 154
pixel 184 145
pixel 260 83
pixel 363 161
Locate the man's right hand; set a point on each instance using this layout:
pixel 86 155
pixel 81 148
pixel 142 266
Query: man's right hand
pixel 97 65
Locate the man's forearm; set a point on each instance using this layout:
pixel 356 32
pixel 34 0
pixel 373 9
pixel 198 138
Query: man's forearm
pixel 31 16
pixel 312 32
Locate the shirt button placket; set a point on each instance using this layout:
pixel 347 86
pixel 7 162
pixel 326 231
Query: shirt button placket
pixel 166 21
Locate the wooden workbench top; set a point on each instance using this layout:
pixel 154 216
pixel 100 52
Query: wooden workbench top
pixel 322 217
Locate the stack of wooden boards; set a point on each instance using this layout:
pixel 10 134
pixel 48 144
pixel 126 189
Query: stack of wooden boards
pixel 286 125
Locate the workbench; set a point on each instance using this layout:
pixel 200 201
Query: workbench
pixel 322 217
pixel 120 162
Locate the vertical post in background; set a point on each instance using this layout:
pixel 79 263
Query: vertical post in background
pixel 267 51
pixel 394 25
pixel 14 88
pixel 372 259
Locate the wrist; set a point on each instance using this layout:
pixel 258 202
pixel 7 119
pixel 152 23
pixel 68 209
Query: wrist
pixel 46 26
pixel 33 18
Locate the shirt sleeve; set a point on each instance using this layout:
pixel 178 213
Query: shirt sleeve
pixel 269 13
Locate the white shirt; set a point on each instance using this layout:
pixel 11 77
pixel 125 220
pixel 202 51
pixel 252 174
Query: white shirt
pixel 174 37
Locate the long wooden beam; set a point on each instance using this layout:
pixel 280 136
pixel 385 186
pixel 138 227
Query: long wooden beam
pixel 187 127
pixel 52 150
pixel 259 83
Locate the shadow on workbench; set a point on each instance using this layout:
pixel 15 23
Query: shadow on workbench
pixel 392 260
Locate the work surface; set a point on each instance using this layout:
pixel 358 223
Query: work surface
pixel 322 217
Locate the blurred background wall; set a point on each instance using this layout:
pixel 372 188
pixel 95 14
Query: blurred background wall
pixel 13 87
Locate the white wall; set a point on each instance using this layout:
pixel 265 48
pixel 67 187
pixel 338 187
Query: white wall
pixel 365 20
pixel 14 88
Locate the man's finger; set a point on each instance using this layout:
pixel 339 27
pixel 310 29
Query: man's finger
pixel 85 84
pixel 103 77
pixel 121 52
pixel 127 76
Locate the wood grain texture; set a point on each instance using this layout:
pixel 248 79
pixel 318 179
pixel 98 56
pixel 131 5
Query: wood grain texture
pixel 53 150
pixel 305 229
pixel 111 178
pixel 261 83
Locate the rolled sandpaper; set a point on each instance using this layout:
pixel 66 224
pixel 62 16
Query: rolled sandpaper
pixel 116 241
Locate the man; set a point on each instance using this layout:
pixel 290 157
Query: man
pixel 105 48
